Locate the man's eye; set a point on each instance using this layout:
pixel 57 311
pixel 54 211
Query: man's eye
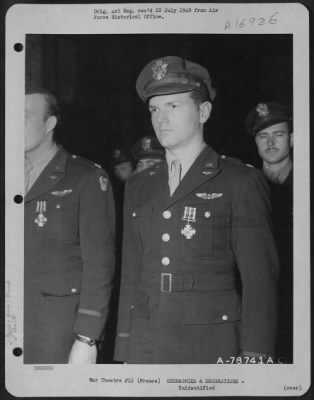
pixel 153 110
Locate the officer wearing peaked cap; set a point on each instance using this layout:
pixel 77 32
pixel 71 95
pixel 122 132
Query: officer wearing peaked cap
pixel 123 164
pixel 271 125
pixel 69 244
pixel 148 152
pixel 192 225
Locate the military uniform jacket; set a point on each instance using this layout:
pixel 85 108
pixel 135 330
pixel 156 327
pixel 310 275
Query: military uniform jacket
pixel 199 268
pixel 69 257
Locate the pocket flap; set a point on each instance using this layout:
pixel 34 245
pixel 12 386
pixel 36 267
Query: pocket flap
pixel 61 286
pixel 213 310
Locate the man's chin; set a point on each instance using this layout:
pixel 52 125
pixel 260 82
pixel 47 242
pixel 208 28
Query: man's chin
pixel 271 158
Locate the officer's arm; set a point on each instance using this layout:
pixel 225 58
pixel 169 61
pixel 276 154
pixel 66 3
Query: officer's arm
pixel 257 260
pixel 129 276
pixel 96 235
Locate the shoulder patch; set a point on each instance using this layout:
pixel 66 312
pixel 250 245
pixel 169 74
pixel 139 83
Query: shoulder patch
pixel 103 181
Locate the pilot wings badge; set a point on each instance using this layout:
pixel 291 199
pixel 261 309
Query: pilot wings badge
pixel 209 196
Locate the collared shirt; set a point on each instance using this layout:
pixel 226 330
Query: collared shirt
pixel 280 175
pixel 32 170
pixel 187 160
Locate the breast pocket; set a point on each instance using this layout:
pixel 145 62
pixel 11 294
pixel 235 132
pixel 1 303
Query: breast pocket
pixel 142 220
pixel 62 219
pixel 208 235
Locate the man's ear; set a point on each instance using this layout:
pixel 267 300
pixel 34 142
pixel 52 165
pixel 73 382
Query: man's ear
pixel 205 110
pixel 291 139
pixel 51 123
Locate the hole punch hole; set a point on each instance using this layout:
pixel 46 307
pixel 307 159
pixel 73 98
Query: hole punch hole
pixel 17 351
pixel 18 47
pixel 18 199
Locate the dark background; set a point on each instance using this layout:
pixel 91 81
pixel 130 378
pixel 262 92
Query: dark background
pixel 94 78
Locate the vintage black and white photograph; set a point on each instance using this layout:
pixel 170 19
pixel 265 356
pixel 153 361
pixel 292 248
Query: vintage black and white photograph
pixel 159 152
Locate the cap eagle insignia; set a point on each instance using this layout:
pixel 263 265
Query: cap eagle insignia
pixel 262 110
pixel 159 69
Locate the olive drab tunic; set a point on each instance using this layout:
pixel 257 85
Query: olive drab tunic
pixel 199 268
pixel 69 257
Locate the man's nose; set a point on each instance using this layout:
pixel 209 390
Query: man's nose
pixel 270 140
pixel 162 116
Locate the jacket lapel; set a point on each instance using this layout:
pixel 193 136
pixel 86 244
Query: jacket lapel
pixel 204 168
pixel 160 186
pixel 50 176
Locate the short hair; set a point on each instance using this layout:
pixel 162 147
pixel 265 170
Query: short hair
pixel 200 95
pixel 52 106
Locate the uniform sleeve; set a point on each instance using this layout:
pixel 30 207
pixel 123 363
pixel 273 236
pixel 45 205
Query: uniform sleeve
pixel 131 261
pixel 257 260
pixel 96 235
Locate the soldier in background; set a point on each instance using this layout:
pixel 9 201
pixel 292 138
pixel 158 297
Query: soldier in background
pixel 192 224
pixel 148 152
pixel 123 165
pixel 68 241
pixel 123 168
pixel 270 124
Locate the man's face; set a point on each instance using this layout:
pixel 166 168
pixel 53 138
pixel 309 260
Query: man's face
pixel 176 119
pixel 35 121
pixel 274 143
pixel 124 170
pixel 146 163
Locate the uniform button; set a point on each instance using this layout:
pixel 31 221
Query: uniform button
pixel 207 214
pixel 132 307
pixel 73 290
pixel 165 261
pixel 134 214
pixel 166 214
pixel 225 317
pixel 165 237
pixel 58 206
pixel 223 157
pixel 74 156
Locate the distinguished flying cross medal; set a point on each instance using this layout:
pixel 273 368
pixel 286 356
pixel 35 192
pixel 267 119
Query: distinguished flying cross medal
pixel 41 219
pixel 189 215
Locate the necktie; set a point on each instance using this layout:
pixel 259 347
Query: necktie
pixel 174 175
